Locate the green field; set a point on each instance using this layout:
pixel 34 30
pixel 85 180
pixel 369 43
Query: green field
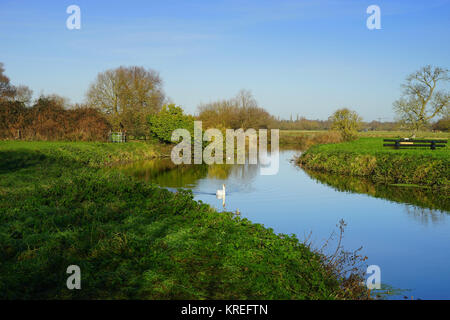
pixel 366 157
pixel 373 134
pixel 134 240
pixel 375 146
pixel 405 134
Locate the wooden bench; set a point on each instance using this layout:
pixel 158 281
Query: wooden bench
pixel 415 143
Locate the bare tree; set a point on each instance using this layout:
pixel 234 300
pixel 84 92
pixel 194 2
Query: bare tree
pixel 241 111
pixel 421 100
pixel 6 89
pixel 23 94
pixel 9 92
pixel 127 95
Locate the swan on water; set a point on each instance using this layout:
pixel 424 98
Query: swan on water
pixel 220 194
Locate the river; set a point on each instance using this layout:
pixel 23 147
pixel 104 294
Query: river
pixel 405 231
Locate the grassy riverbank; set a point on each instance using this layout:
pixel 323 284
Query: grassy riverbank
pixel 134 240
pixel 366 157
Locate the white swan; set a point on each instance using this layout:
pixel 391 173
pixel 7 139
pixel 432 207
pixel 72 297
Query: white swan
pixel 220 194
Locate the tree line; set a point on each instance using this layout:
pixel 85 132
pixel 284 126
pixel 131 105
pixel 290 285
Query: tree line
pixel 48 119
pixel 132 100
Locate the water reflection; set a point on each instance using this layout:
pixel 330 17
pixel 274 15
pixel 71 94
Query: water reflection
pixel 426 216
pixel 406 231
pixel 164 173
pixel 425 205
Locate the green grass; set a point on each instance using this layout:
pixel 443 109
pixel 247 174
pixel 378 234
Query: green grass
pixel 134 240
pixel 366 157
pixel 87 153
pixel 375 146
pixel 26 165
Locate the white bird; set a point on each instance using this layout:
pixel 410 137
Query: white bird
pixel 220 194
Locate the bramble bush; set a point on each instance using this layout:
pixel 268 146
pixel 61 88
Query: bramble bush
pixel 47 119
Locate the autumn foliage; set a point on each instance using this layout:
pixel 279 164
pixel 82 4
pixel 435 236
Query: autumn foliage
pixel 47 119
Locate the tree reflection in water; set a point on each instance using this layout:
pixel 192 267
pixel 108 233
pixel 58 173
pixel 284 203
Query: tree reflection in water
pixel 425 215
pixel 165 173
pixel 423 204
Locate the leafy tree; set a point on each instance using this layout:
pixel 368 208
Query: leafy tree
pixel 347 122
pixel 127 96
pixel 171 117
pixel 421 100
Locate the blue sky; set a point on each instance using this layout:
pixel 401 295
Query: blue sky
pixel 306 57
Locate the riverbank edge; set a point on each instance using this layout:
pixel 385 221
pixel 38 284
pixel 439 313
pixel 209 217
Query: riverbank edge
pixel 410 169
pixel 85 161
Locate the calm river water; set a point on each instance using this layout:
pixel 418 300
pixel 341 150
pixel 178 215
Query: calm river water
pixel 396 226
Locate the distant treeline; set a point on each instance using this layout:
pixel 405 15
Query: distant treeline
pixel 129 99
pixel 243 111
pixel 47 119
pixel 306 124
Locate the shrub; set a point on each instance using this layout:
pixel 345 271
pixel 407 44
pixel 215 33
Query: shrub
pixel 347 122
pixel 171 117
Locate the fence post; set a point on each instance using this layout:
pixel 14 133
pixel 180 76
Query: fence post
pixel 397 144
pixel 433 145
